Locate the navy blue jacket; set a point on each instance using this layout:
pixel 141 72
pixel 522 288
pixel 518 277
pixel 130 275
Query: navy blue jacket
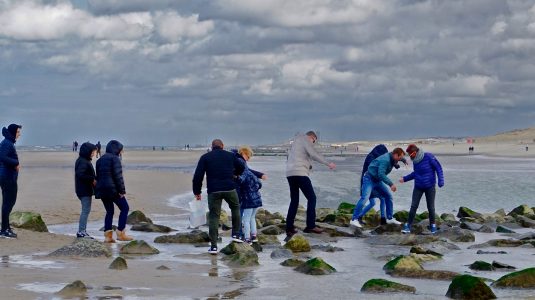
pixel 110 181
pixel 249 186
pixel 424 173
pixel 84 173
pixel 220 167
pixel 9 160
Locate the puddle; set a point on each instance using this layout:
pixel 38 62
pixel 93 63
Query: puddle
pixel 41 287
pixel 30 262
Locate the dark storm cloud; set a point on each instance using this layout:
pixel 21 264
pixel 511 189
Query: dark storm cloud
pixel 176 72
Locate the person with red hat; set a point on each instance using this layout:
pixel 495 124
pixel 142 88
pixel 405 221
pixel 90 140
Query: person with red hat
pixel 427 169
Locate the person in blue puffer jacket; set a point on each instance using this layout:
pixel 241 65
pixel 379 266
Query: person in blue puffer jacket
pixel 426 170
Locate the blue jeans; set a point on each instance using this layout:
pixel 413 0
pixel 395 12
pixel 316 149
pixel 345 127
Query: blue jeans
pixel 108 219
pixel 249 222
pixel 84 214
pixel 368 185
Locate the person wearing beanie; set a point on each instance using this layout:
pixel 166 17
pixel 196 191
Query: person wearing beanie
pixel 426 170
pixel 111 190
pixel 9 172
pixel 85 181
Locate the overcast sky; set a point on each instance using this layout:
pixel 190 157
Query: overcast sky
pixel 257 71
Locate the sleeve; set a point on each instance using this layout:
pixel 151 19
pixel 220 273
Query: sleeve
pixel 5 150
pixel 314 154
pixel 256 173
pixel 408 177
pixel 239 167
pixel 198 177
pixel 82 172
pixel 118 179
pixel 381 172
pixel 439 171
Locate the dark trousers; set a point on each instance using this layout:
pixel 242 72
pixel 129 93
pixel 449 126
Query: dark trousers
pixel 429 198
pixel 122 204
pixel 215 200
pixel 9 197
pixel 304 184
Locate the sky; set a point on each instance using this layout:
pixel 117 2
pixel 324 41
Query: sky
pixel 172 72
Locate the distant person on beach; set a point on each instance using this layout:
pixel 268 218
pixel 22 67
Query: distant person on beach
pixel 298 166
pixel 426 171
pixel 85 181
pixel 111 190
pixel 220 167
pixel 376 179
pixel 9 173
pixel 75 148
pixel 249 186
pixel 99 147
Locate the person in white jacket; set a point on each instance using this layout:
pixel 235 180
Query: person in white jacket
pixel 298 167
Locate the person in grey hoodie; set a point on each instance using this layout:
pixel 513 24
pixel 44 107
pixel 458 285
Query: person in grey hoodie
pixel 298 167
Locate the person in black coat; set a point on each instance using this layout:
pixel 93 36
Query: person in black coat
pixel 110 188
pixel 9 173
pixel 84 181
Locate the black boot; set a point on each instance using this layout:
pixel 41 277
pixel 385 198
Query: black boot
pixel 383 221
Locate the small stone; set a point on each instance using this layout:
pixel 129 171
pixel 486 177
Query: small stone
pixel 75 289
pixel 27 220
pixel 482 266
pixel 499 265
pixel 486 229
pixel 465 212
pixel 118 264
pixel 281 253
pixel 138 247
pixel 490 252
pixel 257 247
pixel 386 286
pixel 504 229
pixel 240 254
pixel 524 279
pixel 163 268
pixel 420 250
pixel 83 248
pixel 522 210
pixel 272 230
pixel 327 248
pixel 469 287
pixel 268 240
pixel 149 227
pixel 137 217
pixel 193 237
pixel 292 262
pixel 298 243
pixel 315 266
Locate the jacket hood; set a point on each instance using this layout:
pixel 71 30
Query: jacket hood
pixel 86 149
pixel 379 150
pixel 114 147
pixel 8 135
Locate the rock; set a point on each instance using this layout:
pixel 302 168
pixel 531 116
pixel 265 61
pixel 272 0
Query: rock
pixel 499 265
pixel 137 217
pixel 111 288
pixel 425 216
pixel 469 287
pixel 387 229
pixel 75 289
pixel 500 212
pixel 526 236
pixel 240 254
pixel 138 247
pixel 486 229
pixel 268 240
pixel 327 248
pixel 425 258
pixel 490 252
pixel 322 213
pixel 83 248
pixel 292 262
pixel 402 240
pixel 402 263
pixel 163 268
pixel 504 229
pixel 525 221
pixel 448 217
pixel 336 231
pixel 113 227
pixel 522 210
pixel 298 243
pixel 27 220
pixel 118 264
pixel 420 250
pixel 456 234
pixel 149 227
pixel 425 274
pixel 272 230
pixel 346 208
pixel 386 286
pixel 281 253
pixel 498 243
pixel 315 266
pixel 465 212
pixel 482 266
pixel 270 223
pixel 470 226
pixel 193 237
pixel 402 216
pixel 524 279
pixel 257 247
pixel 372 219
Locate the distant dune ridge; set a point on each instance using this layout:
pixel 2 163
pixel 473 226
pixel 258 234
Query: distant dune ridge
pixel 526 135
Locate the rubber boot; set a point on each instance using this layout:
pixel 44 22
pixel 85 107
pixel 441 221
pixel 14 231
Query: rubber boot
pixel 108 236
pixel 121 236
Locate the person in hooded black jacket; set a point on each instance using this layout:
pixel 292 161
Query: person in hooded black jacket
pixel 85 182
pixel 9 172
pixel 110 188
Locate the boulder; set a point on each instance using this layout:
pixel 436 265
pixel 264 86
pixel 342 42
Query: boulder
pixel 524 279
pixel 281 253
pixel 72 290
pixel 270 222
pixel 83 248
pixel 500 212
pixel 315 266
pixel 118 264
pixel 257 247
pixel 298 243
pixel 402 240
pixel 465 212
pixel 386 286
pixel 448 218
pixel 499 265
pixel 163 268
pixel 292 262
pixel 193 237
pixel 149 227
pixel 424 258
pixel 522 210
pixel 137 217
pixel 346 208
pixel 138 247
pixel 482 266
pixel 486 229
pixel 402 216
pixel 372 219
pixel 268 240
pixel 27 220
pixel 504 229
pixel 240 254
pixel 525 221
pixel 327 248
pixel 402 263
pixel 470 226
pixel 272 230
pixel 387 229
pixel 421 250
pixel 526 236
pixel 469 287
pixel 498 243
pixel 456 234
pixel 322 213
pixel 337 231
pixel 425 274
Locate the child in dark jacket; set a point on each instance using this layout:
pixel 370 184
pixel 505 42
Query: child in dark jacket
pixel 426 170
pixel 250 198
pixel 85 181
pixel 9 173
